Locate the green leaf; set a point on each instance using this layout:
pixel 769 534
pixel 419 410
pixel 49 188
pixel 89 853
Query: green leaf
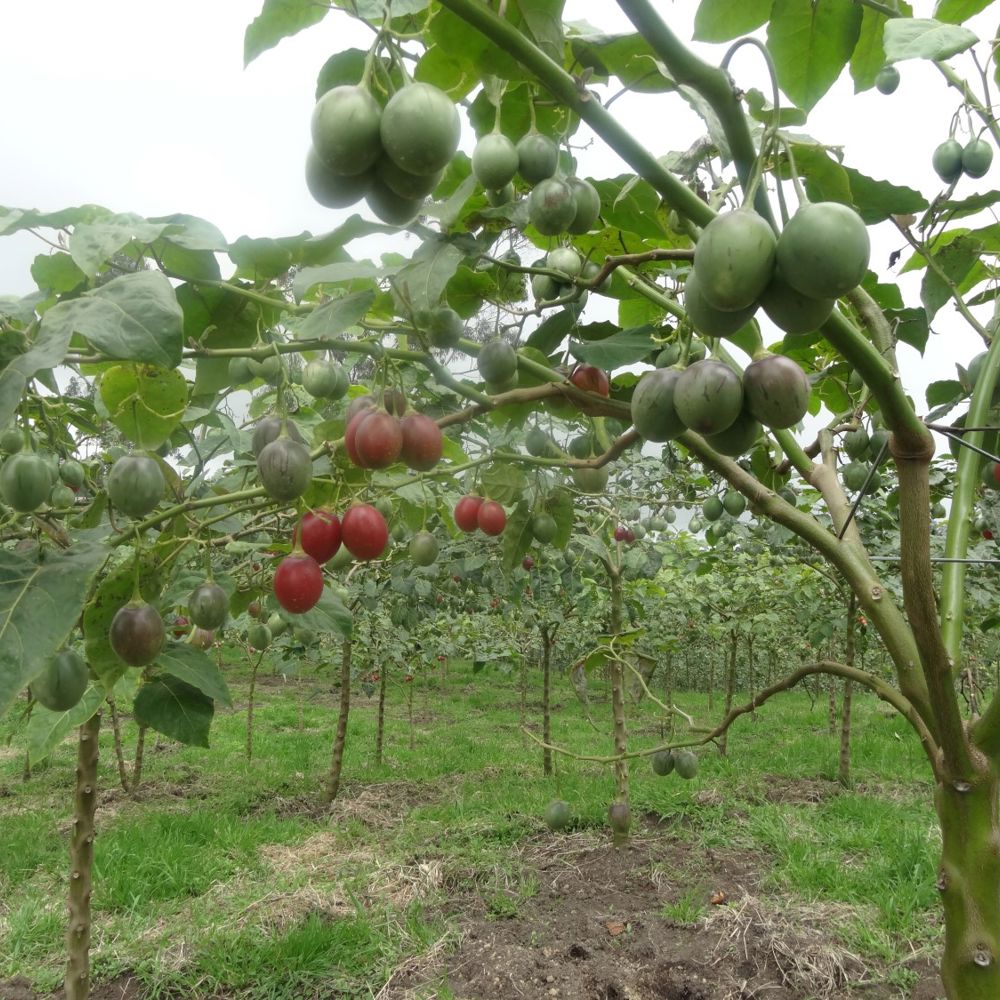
pixel 955 260
pixel 593 545
pixel 41 597
pixel 957 11
pixel 762 110
pixel 504 483
pixel 279 19
pixel 910 326
pixel 135 317
pixel 338 274
pixel 624 348
pixel 421 284
pixel 945 391
pixel 437 67
pixel 517 537
pixel 92 245
pixel 56 272
pixel 176 709
pixel 329 616
pixel 924 38
pixel 46 351
pixel 195 667
pixel 144 402
pixel 46 730
pixel 722 20
pixel 810 42
pixel 868 56
pixel 332 318
pixel 559 503
pixel 877 201
pixel 548 335
pixel 544 21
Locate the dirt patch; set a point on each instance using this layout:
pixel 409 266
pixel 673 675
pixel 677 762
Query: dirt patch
pixel 648 921
pixel 125 987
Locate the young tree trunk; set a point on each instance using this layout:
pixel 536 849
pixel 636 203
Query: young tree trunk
pixel 81 853
pixel 711 684
pixel 730 686
pixel 337 758
pixel 546 715
pixel 831 705
pixel 750 672
pixel 119 753
pixel 380 731
pixel 253 686
pixel 524 689
pixel 968 882
pixel 618 706
pixel 140 748
pixel 668 691
pixel 409 712
pixel 844 762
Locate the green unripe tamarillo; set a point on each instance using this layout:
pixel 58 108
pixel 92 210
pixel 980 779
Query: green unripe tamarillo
pixel 653 411
pixel 404 184
pixel 345 130
pixel 537 157
pixel 420 128
pixel 734 259
pixel 136 485
pixel 706 319
pixel 495 161
pixel 330 189
pixel 25 481
pixel 497 362
pixel 947 161
pixel 824 250
pixel 708 396
pixel 887 79
pixel 62 682
pixel 551 208
pixel 977 156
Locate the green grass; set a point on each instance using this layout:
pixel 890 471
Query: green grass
pixel 228 876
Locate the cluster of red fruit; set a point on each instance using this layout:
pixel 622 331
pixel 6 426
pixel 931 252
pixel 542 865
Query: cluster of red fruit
pixel 298 580
pixel 472 512
pixel 376 436
pixel 623 534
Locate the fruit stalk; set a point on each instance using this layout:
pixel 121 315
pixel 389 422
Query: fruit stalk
pixel 337 758
pixel 81 852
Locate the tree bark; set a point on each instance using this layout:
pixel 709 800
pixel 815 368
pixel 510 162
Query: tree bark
pixel 831 705
pixel 668 691
pixel 546 712
pixel 253 687
pixel 81 852
pixel 730 686
pixel 337 758
pixel 380 731
pixel 618 706
pixel 119 752
pixel 844 760
pixel 140 748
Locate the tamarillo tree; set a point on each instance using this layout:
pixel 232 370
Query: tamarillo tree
pixel 426 393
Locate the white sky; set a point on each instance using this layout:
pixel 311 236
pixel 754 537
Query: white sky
pixel 146 108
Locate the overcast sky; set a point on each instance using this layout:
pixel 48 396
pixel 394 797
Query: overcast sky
pixel 146 108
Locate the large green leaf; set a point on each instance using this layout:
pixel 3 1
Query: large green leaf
pixel 279 19
pixel 624 348
pixel 924 38
pixel 176 709
pixel 195 667
pixel 957 11
pixel 45 351
pixel 810 42
pixel 722 20
pixel 92 244
pixel 422 282
pixel 332 318
pixel 517 536
pixel 46 730
pixel 504 483
pixel 41 597
pixel 144 402
pixel 56 272
pixel 955 259
pixel 329 616
pixel 135 318
pixel 544 21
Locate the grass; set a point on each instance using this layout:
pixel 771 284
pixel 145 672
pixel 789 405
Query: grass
pixel 228 876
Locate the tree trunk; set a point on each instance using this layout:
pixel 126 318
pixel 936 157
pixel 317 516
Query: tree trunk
pixel 750 672
pixel 253 686
pixel 844 761
pixel 668 691
pixel 618 706
pixel 140 748
pixel 730 686
pixel 409 710
pixel 711 684
pixel 380 731
pixel 968 882
pixel 119 752
pixel 81 853
pixel 831 705
pixel 337 759
pixel 524 689
pixel 546 713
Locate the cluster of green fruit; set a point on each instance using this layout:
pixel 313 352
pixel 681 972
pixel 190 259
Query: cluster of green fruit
pixel 392 156
pixel 712 399
pixel 796 277
pixel 260 634
pixel 29 479
pixel 684 762
pixel 548 289
pixel 557 203
pixel 951 159
pixel 862 449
